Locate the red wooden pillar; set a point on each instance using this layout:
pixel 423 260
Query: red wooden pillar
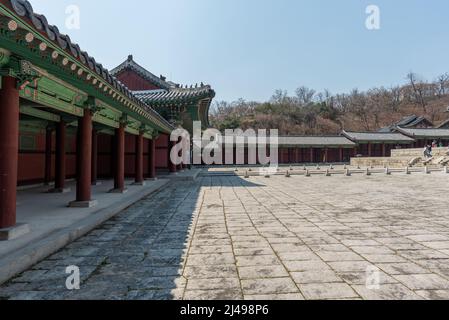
pixel 171 165
pixel 341 155
pixel 139 161
pixel 369 150
pixel 94 157
pixel 112 157
pixel 312 156
pixel 384 151
pixel 9 151
pixel 48 155
pixel 119 174
pixel 152 159
pixel 60 159
pixel 326 155
pixel 84 163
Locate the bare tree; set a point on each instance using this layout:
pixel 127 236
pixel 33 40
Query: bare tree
pixel 305 95
pixel 442 84
pixel 395 98
pixel 359 106
pixel 280 97
pixel 418 90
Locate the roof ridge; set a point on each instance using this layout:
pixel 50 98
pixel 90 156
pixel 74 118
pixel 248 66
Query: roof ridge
pixel 160 81
pixel 371 132
pixel 148 75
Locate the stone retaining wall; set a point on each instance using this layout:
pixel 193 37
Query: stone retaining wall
pixel 413 153
pixel 398 162
pixel 400 158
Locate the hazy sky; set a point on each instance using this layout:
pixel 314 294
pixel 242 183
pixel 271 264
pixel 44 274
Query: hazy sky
pixel 249 48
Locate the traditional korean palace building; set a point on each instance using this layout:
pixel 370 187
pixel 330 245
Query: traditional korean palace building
pixel 331 149
pixel 63 115
pixel 410 132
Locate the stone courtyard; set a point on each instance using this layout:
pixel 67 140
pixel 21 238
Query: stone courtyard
pixel 225 237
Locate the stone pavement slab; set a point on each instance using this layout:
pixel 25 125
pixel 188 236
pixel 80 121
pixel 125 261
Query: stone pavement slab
pixel 224 237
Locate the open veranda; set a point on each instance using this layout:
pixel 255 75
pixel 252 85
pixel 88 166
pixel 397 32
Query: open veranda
pixel 224 236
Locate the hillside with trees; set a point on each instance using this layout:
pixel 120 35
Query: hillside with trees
pixel 309 112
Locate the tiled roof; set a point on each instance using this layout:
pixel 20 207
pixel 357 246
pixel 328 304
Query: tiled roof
pixel 425 133
pixel 130 64
pixel 417 121
pixel 170 93
pixel 444 124
pixel 377 137
pixel 316 141
pixel 175 95
pixel 24 9
pixel 406 122
pixel 298 141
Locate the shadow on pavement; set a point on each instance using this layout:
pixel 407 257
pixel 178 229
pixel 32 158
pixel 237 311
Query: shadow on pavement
pixel 139 254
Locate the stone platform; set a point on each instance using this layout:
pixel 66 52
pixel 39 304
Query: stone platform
pixel 401 158
pixel 219 238
pixel 53 225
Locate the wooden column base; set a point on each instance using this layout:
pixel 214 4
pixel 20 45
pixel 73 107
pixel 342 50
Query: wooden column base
pixel 15 232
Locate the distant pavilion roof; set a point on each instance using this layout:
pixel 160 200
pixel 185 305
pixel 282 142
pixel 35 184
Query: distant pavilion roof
pixel 290 141
pixel 407 122
pixel 378 137
pixel 316 141
pixel 425 133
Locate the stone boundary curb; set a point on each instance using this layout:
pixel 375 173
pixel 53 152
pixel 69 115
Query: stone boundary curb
pixel 28 256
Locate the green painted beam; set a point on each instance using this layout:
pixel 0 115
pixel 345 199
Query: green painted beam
pixel 44 115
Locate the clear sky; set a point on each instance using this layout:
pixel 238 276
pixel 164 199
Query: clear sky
pixel 249 48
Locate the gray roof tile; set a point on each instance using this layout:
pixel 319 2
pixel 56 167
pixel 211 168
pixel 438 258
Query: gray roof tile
pixel 425 133
pixel 377 137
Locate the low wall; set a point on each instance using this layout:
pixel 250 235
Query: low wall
pixel 400 158
pixel 414 153
pixel 397 162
